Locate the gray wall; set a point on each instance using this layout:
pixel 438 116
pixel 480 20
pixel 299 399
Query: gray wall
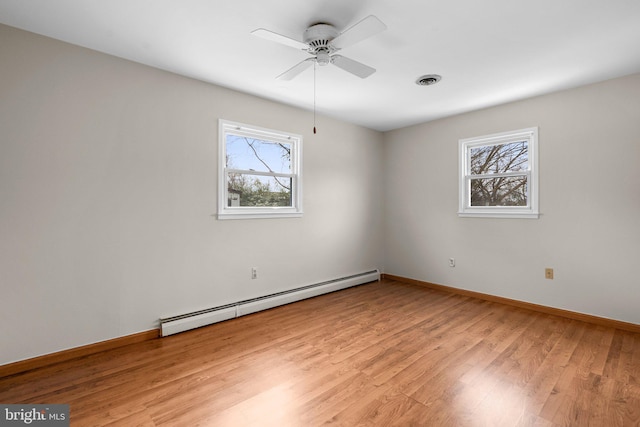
pixel 108 176
pixel 589 228
pixel 108 180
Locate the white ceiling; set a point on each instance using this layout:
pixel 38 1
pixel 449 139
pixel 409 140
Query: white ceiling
pixel 488 52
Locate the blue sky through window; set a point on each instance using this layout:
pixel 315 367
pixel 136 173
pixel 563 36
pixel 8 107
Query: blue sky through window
pixel 257 155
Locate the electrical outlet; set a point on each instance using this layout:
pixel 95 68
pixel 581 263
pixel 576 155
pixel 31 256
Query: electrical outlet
pixel 452 262
pixel 254 273
pixel 548 273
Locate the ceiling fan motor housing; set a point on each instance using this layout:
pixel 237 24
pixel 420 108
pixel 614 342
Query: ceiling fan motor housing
pixel 319 37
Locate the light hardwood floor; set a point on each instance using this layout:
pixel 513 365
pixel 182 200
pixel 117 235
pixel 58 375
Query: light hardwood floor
pixel 380 354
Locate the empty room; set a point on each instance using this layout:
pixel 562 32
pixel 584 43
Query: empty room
pixel 285 213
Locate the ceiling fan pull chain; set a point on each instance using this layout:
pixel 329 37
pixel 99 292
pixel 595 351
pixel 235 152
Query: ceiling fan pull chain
pixel 314 97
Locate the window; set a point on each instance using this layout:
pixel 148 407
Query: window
pixel 499 175
pixel 259 172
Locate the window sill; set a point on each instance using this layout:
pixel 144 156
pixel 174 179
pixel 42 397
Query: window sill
pixel 258 215
pixel 485 214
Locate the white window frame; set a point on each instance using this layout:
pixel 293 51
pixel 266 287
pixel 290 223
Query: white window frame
pixel 464 154
pixel 226 127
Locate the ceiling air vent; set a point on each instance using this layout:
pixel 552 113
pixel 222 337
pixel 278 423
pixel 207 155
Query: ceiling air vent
pixel 428 80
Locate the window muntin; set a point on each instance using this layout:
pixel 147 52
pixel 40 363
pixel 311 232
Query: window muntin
pixel 259 172
pixel 498 175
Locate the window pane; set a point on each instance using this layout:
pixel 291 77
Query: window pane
pixel 508 191
pixel 254 154
pixel 256 190
pixel 489 159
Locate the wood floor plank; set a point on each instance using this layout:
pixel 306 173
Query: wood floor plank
pixel 382 354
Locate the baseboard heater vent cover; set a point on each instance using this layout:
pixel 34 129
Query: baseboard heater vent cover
pixel 184 322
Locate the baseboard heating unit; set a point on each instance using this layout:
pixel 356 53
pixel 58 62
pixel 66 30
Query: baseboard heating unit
pixel 173 325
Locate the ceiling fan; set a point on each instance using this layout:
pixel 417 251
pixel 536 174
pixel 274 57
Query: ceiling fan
pixel 322 41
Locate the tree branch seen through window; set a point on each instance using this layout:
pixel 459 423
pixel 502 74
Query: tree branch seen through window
pixel 499 159
pixel 499 175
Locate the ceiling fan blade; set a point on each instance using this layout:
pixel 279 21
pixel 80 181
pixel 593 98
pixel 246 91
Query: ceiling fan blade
pixel 366 28
pixel 353 67
pixel 296 69
pixel 278 38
